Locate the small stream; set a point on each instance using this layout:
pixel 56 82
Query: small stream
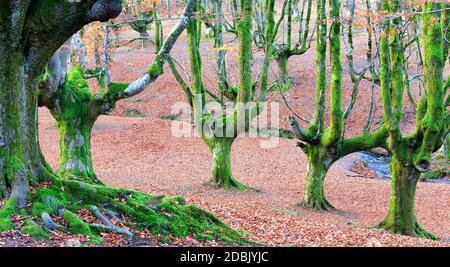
pixel 380 164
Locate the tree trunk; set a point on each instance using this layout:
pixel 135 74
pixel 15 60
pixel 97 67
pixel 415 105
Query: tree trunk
pixel 75 150
pixel 222 177
pixel 72 108
pixel 314 195
pixel 283 73
pixel 21 161
pixel 401 217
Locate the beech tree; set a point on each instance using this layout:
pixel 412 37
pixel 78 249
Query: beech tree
pixel 411 153
pixel 283 44
pixel 219 130
pixel 323 146
pixel 75 108
pixel 30 34
pixel 28 40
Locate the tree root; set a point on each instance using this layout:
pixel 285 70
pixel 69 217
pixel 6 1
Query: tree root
pixel 317 204
pixel 108 225
pixel 229 183
pixel 113 215
pixel 113 228
pixel 424 233
pixel 417 231
pixel 49 223
pixel 166 216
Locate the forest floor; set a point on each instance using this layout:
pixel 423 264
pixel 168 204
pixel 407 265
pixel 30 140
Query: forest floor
pixel 139 151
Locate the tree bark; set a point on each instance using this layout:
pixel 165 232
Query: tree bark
pixel 314 194
pixel 15 169
pixel 283 74
pixel 222 176
pixel 75 150
pixel 21 160
pixel 27 41
pixel 401 217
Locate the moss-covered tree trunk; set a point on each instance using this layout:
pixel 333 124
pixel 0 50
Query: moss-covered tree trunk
pixel 220 139
pixel 15 126
pixel 283 73
pixel 411 154
pixel 446 147
pixel 401 217
pixel 75 150
pixel 222 176
pixel 21 160
pixel 72 106
pixel 319 161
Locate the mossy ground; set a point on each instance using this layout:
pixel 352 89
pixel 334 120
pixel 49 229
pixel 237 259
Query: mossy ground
pixel 162 216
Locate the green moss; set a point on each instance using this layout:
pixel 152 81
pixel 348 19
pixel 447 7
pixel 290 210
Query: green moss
pixel 170 203
pixel 116 90
pixel 48 13
pixel 48 200
pixel 76 225
pixel 319 162
pixel 6 222
pixel 156 68
pixel 166 216
pixel 76 96
pixel 172 216
pixel 33 229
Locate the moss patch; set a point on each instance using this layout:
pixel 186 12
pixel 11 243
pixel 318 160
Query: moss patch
pixel 164 216
pixel 33 229
pixel 6 222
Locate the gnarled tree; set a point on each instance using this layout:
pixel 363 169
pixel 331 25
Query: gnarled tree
pixel 220 130
pixel 28 39
pixel 67 95
pixel 411 154
pixel 283 44
pixel 323 146
pixel 30 33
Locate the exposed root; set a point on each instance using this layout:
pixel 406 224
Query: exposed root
pixel 113 215
pixel 417 231
pixel 112 228
pixel 423 233
pixel 49 223
pixel 229 183
pixel 108 225
pixel 160 215
pixel 320 203
pixel 99 215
